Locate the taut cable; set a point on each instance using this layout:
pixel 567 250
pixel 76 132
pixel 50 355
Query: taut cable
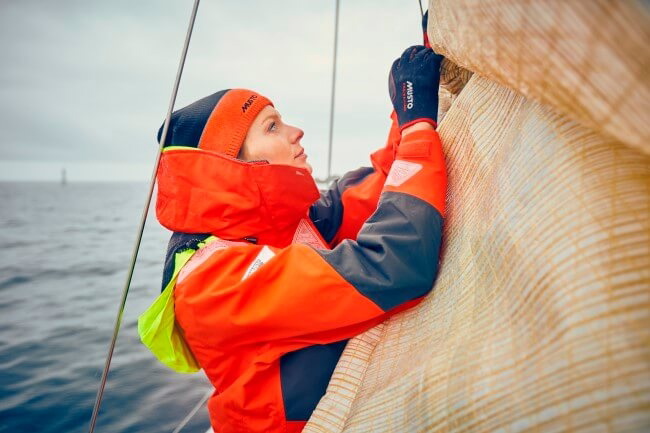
pixel 336 40
pixel 143 219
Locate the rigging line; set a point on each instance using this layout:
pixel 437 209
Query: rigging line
pixel 145 211
pixel 193 411
pixel 333 92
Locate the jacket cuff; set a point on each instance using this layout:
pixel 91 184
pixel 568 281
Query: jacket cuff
pixel 417 144
pixel 422 119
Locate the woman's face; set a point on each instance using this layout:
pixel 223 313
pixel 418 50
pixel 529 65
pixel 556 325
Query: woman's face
pixel 270 139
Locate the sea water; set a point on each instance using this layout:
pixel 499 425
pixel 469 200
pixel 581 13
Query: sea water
pixel 64 254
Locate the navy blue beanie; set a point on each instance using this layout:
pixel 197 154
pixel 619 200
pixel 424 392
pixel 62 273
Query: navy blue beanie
pixel 187 123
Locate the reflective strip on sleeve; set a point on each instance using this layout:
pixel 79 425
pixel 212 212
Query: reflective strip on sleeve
pixel 262 257
pixel 401 171
pixel 306 234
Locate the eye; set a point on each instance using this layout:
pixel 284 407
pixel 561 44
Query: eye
pixel 272 127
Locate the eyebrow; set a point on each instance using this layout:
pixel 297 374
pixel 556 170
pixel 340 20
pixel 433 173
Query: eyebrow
pixel 275 114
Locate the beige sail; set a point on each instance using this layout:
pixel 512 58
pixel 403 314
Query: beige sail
pixel 540 317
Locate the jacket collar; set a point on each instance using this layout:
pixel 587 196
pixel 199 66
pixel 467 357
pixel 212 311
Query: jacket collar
pixel 200 191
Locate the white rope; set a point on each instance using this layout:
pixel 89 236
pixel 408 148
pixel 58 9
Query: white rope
pixel 145 211
pixel 193 412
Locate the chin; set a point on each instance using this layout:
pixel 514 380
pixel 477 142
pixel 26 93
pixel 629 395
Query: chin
pixel 305 165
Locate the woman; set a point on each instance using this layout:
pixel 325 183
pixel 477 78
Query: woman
pixel 269 277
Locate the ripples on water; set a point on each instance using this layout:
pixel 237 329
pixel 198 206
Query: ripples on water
pixel 64 253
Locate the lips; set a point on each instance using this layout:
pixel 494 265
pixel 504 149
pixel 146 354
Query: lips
pixel 301 153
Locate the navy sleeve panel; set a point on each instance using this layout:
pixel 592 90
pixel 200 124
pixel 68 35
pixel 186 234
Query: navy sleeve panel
pixel 304 375
pixel 327 212
pixel 395 257
pixel 177 243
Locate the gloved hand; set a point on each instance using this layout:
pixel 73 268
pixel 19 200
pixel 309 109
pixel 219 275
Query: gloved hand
pixel 413 86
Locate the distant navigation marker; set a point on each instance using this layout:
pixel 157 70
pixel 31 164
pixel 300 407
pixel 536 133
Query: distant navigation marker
pixel 64 180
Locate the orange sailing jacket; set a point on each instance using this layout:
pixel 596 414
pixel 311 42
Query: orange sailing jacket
pixel 268 307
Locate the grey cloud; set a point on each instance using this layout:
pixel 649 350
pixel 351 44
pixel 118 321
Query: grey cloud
pixel 90 80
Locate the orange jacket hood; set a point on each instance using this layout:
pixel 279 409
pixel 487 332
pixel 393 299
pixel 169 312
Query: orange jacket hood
pixel 200 191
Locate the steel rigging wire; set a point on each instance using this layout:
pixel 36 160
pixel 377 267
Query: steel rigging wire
pixel 333 90
pixel 143 219
pixel 333 93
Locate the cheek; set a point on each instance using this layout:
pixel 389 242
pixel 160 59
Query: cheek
pixel 275 150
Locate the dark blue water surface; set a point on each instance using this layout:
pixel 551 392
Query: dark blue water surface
pixel 64 253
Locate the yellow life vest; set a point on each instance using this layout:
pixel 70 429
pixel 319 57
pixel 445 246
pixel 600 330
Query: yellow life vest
pixel 157 325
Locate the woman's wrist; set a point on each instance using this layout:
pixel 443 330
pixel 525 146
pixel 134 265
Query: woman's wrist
pixel 419 126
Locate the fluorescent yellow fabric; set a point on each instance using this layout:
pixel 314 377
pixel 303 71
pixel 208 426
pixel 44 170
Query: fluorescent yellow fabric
pixel 540 317
pixel 168 148
pixel 157 325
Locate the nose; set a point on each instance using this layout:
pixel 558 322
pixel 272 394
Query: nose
pixel 296 134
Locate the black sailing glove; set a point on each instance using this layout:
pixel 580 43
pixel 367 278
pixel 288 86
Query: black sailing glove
pixel 413 86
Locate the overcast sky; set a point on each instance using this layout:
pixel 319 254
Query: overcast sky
pixel 85 84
